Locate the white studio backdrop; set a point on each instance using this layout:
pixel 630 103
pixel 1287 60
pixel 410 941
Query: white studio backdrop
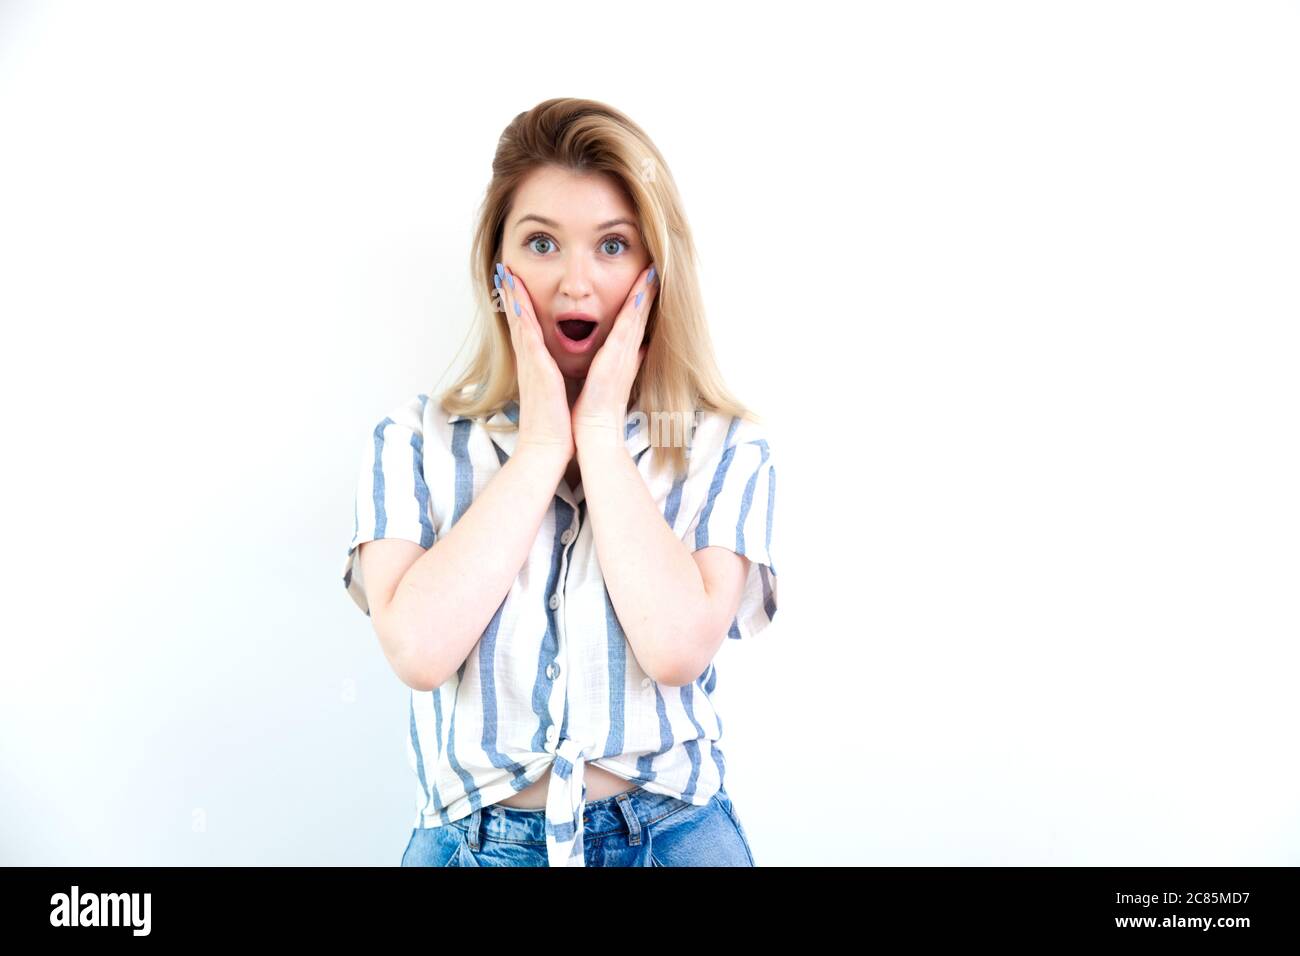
pixel 1013 284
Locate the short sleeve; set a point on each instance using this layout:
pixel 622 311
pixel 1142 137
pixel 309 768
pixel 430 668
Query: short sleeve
pixel 392 491
pixel 739 500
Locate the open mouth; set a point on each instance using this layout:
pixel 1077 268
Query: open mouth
pixel 575 330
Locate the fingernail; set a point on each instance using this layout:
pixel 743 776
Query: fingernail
pixel 501 273
pixel 638 297
pixel 516 306
pixel 511 280
pixel 651 277
pixel 496 281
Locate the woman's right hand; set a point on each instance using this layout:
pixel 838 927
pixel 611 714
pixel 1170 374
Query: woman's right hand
pixel 545 421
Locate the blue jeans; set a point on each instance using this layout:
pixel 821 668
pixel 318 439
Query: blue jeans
pixel 635 828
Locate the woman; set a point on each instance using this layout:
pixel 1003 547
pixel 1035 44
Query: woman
pixel 553 553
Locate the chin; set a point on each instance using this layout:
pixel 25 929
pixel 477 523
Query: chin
pixel 574 366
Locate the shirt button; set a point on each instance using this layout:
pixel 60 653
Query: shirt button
pixel 550 733
pixel 552 670
pixel 645 682
pixel 567 536
pixel 555 601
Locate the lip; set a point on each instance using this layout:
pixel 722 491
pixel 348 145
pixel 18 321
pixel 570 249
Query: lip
pixel 566 343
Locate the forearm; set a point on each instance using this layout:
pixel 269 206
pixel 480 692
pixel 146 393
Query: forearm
pixel 653 582
pixel 447 598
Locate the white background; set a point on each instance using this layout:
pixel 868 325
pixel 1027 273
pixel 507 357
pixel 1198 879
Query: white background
pixel 1014 285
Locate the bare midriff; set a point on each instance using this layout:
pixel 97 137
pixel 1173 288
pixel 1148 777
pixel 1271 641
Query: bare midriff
pixel 600 784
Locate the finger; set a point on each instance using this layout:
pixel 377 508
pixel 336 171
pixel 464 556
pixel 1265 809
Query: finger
pixel 521 308
pixel 647 290
pixel 651 289
pixel 526 331
pixel 506 303
pixel 524 311
pixel 628 318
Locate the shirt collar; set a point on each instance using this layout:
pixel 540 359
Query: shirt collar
pixel 636 429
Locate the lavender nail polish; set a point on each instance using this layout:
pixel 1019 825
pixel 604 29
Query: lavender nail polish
pixel 516 306
pixel 651 277
pixel 638 297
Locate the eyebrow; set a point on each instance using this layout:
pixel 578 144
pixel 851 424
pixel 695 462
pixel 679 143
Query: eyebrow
pixel 555 225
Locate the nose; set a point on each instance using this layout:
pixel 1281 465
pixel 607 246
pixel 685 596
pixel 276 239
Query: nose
pixel 575 283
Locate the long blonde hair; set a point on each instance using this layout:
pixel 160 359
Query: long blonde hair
pixel 679 375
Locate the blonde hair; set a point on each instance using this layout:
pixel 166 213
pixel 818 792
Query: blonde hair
pixel 679 375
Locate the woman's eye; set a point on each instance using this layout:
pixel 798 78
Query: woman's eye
pixel 612 246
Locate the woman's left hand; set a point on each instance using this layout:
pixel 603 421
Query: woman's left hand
pixel 600 412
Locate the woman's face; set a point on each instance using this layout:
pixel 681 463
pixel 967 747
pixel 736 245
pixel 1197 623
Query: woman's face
pixel 573 240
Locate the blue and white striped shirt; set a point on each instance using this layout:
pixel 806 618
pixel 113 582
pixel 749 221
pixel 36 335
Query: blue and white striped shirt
pixel 553 677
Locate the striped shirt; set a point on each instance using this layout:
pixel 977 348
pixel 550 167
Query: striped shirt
pixel 553 678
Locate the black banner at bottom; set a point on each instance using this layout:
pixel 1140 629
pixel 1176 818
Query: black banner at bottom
pixel 1231 906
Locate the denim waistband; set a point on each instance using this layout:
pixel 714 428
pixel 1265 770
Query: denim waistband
pixel 607 815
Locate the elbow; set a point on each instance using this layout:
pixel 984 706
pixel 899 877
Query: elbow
pixel 416 679
pixel 673 679
pixel 687 651
pixel 683 674
pixel 422 670
pixel 409 650
pixel 690 656
pixel 420 675
pixel 408 659
pixel 414 673
pixel 682 665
